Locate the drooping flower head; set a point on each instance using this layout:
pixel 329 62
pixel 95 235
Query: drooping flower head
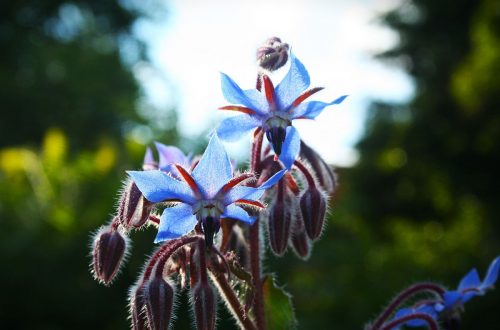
pixel 449 307
pixel 206 195
pixel 273 109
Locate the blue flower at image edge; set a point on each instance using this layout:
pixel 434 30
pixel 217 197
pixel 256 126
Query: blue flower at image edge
pixel 273 110
pixel 207 194
pixel 469 287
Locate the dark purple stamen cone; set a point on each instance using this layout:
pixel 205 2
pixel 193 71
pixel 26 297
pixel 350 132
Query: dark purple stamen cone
pixel 211 227
pixel 159 298
pixel 204 305
pixel 323 171
pixel 134 209
pixel 276 136
pixel 137 308
pixel 313 209
pixel 109 249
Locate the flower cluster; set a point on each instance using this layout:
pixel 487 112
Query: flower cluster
pixel 190 200
pixel 209 217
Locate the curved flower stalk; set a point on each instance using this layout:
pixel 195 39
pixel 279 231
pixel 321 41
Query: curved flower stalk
pixel 206 195
pixel 273 109
pixel 445 307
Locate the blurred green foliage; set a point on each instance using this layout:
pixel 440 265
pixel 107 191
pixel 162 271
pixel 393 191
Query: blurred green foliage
pixel 421 204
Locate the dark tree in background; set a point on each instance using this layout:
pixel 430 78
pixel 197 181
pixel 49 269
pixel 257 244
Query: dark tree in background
pixel 423 201
pixel 68 104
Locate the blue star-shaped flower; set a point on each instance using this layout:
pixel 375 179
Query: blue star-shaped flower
pixel 206 195
pixel 452 301
pixel 273 110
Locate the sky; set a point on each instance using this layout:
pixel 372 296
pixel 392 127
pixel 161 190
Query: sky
pixel 336 41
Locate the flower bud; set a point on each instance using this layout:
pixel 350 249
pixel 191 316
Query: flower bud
pixel 159 297
pixel 322 170
pixel 273 54
pixel 134 209
pixel 299 240
pixel 109 248
pixel 137 308
pixel 313 209
pixel 280 218
pixel 204 304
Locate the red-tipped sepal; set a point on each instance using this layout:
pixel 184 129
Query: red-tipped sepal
pixel 204 302
pixel 159 297
pixel 313 208
pixel 109 249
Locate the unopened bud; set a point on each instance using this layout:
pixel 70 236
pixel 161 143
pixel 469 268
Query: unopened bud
pixel 134 209
pixel 109 249
pixel 159 297
pixel 273 54
pixel 322 170
pixel 299 240
pixel 280 218
pixel 313 209
pixel 204 304
pixel 137 308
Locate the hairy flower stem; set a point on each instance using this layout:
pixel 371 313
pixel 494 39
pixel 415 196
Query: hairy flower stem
pixel 431 323
pixel 162 255
pixel 254 241
pixel 203 261
pixel 236 308
pixel 306 172
pixel 255 158
pixel 402 297
pixel 255 264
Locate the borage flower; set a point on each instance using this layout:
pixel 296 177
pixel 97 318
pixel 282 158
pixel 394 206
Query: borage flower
pixel 206 195
pixel 450 306
pixel 273 110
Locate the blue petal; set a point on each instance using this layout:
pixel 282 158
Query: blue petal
pixel 157 186
pixel 272 180
pixel 236 212
pixel 491 275
pixel 252 98
pixel 242 192
pixel 214 169
pixel 233 128
pixel 470 281
pixel 425 309
pixel 175 222
pixel 291 147
pixel 148 157
pixel 170 155
pixel 295 82
pixel 311 110
pixel 451 298
pixel 251 193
